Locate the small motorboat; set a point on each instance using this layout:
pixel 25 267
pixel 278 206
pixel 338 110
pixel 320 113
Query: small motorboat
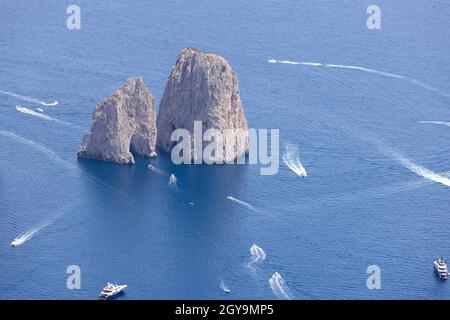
pixel 441 268
pixel 40 110
pixel 111 290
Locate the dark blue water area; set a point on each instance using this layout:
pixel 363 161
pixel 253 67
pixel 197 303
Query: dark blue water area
pixel 377 190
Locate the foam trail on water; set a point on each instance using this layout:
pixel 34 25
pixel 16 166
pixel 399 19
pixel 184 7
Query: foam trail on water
pixel 156 170
pixel 44 116
pixel 257 254
pixel 52 155
pixel 33 113
pixel 363 69
pixel 21 239
pixel 173 181
pixel 37 146
pixel 29 99
pixel 240 202
pixel 443 123
pixel 291 157
pixel 224 287
pixel 368 70
pixel 279 287
pixel 417 169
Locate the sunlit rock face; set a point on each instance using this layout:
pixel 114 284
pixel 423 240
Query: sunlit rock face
pixel 123 124
pixel 202 87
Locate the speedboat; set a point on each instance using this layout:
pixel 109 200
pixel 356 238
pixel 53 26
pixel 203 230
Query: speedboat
pixel 111 290
pixel 40 110
pixel 441 268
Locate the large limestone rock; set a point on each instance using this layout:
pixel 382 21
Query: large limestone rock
pixel 123 123
pixel 202 87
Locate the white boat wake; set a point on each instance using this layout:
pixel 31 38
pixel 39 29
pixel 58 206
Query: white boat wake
pixel 52 155
pixel 421 171
pixel 291 157
pixel 362 69
pixel 173 181
pixel 279 287
pixel 26 236
pixel 33 113
pixel 37 146
pixel 443 123
pixel 257 254
pixel 223 286
pixel 44 116
pixel 413 167
pixel 29 99
pixel 240 202
pixel 156 170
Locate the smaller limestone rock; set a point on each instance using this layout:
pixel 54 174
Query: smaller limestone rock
pixel 123 124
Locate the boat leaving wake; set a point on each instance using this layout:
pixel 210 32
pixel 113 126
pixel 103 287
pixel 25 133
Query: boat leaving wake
pixel 223 286
pixel 156 170
pixel 27 235
pixel 44 116
pixel 291 157
pixel 242 203
pixel 443 123
pixel 33 113
pixel 257 253
pixel 173 181
pixel 29 99
pixel 362 69
pixel 279 287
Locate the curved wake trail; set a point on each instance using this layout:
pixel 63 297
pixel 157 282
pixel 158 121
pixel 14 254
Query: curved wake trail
pixel 291 157
pixel 420 170
pixel 363 69
pixel 224 287
pixel 257 254
pixel 37 146
pixel 279 287
pixel 29 99
pixel 52 155
pixel 44 116
pixel 240 202
pixel 413 167
pixel 60 160
pixel 443 123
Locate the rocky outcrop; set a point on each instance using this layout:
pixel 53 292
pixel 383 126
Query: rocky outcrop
pixel 123 124
pixel 202 87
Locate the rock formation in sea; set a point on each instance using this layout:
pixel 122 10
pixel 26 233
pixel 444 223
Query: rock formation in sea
pixel 202 87
pixel 123 124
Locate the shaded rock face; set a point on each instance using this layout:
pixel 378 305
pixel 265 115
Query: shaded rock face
pixel 123 123
pixel 202 87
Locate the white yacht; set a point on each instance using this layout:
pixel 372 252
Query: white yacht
pixel 111 290
pixel 441 268
pixel 40 110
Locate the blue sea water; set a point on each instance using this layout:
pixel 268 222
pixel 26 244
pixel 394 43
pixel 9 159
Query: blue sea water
pixel 377 190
